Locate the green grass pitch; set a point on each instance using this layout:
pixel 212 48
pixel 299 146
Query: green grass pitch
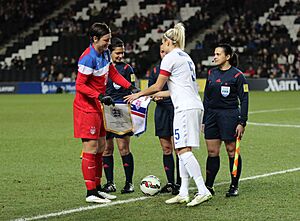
pixel 40 169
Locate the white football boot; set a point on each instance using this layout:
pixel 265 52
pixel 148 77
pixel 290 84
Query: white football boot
pixel 178 199
pixel 107 196
pixel 198 199
pixel 96 199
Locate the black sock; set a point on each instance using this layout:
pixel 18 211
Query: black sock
pixel 92 193
pixel 108 165
pixel 235 180
pixel 168 161
pixel 178 181
pixel 212 169
pixel 128 165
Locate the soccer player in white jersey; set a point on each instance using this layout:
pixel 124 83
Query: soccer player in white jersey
pixel 178 71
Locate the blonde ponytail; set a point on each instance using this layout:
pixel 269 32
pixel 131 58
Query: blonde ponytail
pixel 176 35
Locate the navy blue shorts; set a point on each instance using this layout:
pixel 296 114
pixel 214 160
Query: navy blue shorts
pixel 221 124
pixel 163 117
pixel 110 135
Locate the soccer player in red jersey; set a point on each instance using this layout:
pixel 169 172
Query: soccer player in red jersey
pixel 94 68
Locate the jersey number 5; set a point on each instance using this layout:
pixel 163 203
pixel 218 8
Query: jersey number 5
pixel 177 135
pixel 193 75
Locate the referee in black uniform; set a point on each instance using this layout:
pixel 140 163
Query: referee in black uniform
pixel 117 93
pixel 163 117
pixel 225 114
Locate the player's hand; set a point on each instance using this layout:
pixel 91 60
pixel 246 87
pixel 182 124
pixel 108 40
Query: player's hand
pixel 239 131
pixel 131 97
pixel 202 128
pixel 157 96
pixel 107 100
pixel 157 99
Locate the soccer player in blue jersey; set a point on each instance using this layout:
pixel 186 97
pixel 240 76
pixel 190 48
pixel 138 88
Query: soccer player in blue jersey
pixel 225 114
pixel 117 93
pixel 164 116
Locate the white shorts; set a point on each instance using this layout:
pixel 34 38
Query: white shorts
pixel 187 127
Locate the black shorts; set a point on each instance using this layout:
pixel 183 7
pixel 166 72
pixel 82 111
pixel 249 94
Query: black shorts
pixel 221 124
pixel 163 117
pixel 110 135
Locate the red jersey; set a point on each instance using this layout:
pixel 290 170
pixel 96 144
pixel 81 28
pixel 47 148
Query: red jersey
pixel 93 71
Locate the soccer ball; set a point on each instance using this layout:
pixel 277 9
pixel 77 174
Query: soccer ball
pixel 150 185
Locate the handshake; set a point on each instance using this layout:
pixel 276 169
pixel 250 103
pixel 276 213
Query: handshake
pixel 107 100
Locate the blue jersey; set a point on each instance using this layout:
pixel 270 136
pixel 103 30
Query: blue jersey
pixel 116 91
pixel 152 79
pixel 226 90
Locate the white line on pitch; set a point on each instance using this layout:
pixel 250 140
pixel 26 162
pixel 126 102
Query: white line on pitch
pixel 273 110
pixel 65 212
pixel 273 125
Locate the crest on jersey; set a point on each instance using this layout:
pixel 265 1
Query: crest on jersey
pixel 225 91
pixel 93 130
pixel 106 56
pixel 116 86
pixel 138 104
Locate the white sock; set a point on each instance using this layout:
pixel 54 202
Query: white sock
pixel 193 168
pixel 184 175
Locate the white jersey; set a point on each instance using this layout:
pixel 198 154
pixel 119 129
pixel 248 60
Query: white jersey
pixel 182 80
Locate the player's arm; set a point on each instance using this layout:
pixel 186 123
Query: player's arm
pixel 116 77
pixel 131 75
pixel 159 84
pixel 162 94
pixel 243 95
pixel 82 87
pixel 152 78
pixel 205 98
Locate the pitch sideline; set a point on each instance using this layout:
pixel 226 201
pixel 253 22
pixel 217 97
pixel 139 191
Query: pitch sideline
pixel 272 124
pixel 273 110
pixel 80 209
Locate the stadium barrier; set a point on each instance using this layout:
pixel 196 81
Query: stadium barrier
pixel 37 87
pixel 262 84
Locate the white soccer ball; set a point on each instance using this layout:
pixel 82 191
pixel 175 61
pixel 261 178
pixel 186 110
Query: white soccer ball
pixel 150 185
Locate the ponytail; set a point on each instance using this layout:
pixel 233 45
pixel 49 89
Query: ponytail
pixel 233 60
pixel 176 35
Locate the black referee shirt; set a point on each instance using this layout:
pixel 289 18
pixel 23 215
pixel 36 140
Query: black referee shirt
pixel 226 90
pixel 116 91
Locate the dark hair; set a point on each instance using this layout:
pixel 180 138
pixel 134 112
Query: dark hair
pixel 98 30
pixel 115 43
pixel 233 60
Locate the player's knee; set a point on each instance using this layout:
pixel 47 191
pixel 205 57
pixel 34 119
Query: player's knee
pixel 124 150
pixel 213 151
pixel 231 153
pixel 108 151
pixel 167 150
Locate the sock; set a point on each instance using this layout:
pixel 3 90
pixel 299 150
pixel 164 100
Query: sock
pixel 178 181
pixel 212 168
pixel 88 167
pixel 93 192
pixel 184 188
pixel 108 165
pixel 235 180
pixel 128 165
pixel 193 168
pixel 98 158
pixel 168 161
